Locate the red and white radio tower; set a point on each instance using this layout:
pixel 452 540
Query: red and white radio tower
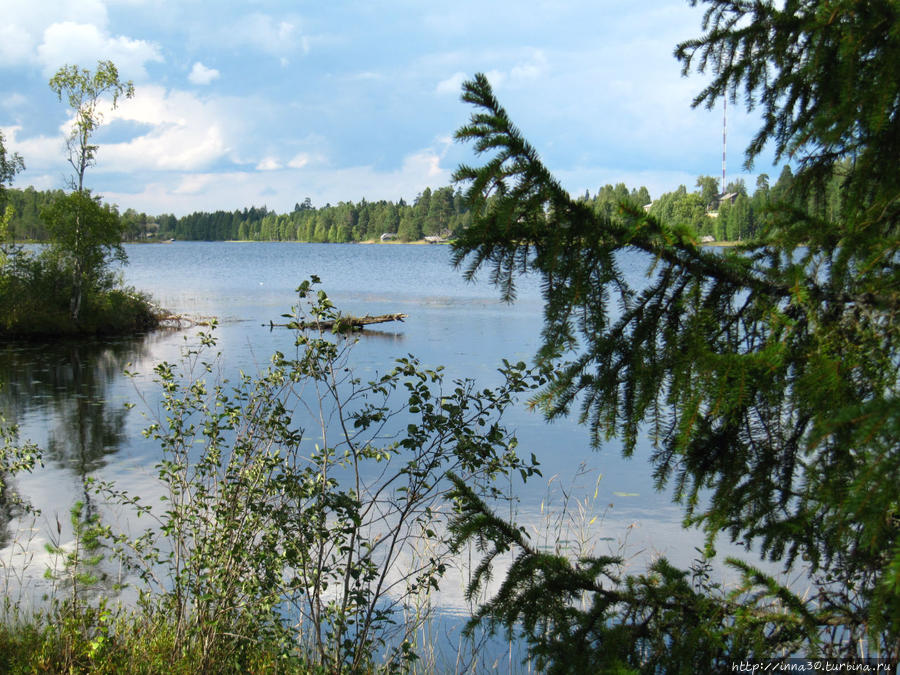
pixel 724 132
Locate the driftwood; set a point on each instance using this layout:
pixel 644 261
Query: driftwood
pixel 343 321
pixel 180 321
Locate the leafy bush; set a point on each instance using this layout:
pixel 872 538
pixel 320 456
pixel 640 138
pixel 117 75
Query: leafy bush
pixel 35 293
pixel 325 543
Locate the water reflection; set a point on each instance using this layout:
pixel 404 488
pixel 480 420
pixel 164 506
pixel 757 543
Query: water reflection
pixel 59 394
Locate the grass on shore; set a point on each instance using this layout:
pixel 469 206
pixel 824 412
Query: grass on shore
pixel 95 640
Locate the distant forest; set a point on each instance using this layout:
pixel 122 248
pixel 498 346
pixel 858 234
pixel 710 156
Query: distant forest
pixel 731 215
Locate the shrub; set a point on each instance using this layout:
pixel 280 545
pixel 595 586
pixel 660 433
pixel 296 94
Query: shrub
pixel 322 544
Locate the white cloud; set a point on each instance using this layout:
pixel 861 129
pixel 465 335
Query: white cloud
pixel 195 184
pixel 40 152
pixel 84 44
pixel 268 164
pixel 299 161
pixel 280 188
pixel 452 85
pixel 14 101
pixel 524 71
pixel 532 69
pixel 24 23
pixel 187 133
pixel 202 75
pixel 16 45
pixel 496 78
pixel 169 130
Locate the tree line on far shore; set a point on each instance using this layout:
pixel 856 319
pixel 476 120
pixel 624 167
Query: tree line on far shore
pixel 732 215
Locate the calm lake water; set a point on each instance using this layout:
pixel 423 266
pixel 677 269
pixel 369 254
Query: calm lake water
pixel 71 398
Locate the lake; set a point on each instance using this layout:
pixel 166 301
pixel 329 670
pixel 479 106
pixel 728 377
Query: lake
pixel 71 399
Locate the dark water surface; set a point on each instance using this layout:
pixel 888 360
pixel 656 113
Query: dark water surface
pixel 71 398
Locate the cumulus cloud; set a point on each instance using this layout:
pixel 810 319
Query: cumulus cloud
pixel 202 75
pixel 16 45
pixel 299 161
pixel 24 23
pixel 186 132
pixel 161 130
pixel 70 43
pixel 530 69
pixel 40 152
pixel 194 184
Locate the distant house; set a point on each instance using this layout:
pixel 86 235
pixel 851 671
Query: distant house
pixel 724 197
pixel 434 239
pixel 388 236
pixel 647 207
pixel 707 239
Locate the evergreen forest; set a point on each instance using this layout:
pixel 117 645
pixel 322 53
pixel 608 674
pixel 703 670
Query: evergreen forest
pixel 734 214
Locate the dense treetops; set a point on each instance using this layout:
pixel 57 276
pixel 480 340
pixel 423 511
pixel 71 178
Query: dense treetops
pixel 438 212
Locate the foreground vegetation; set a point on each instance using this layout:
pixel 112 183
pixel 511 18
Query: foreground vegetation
pixel 303 521
pixel 125 643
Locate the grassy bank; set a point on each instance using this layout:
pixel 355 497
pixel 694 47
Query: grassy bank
pixel 93 640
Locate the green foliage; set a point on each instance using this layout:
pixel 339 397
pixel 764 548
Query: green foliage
pixel 15 458
pixel 766 376
pixel 709 190
pixel 122 643
pixel 86 238
pixel 327 542
pixel 35 300
pixel 823 74
pixel 585 616
pixel 68 289
pixel 84 90
pixel 77 567
pixel 10 165
pixel 445 214
pixel 82 232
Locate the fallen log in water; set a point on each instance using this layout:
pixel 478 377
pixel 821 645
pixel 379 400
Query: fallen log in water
pixel 342 322
pixel 181 321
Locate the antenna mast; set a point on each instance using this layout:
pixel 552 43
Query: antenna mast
pixel 724 132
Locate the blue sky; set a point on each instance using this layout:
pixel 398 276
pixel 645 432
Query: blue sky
pixel 267 102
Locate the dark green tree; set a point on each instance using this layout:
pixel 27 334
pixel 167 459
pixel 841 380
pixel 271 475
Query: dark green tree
pixel 767 375
pixel 408 230
pixel 10 165
pixel 738 222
